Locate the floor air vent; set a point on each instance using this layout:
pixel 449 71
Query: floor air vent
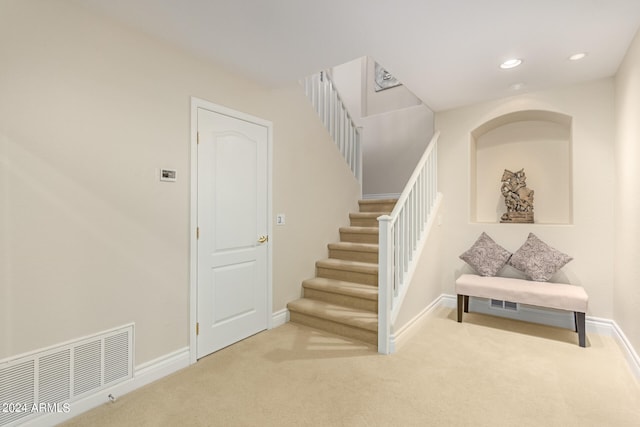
pixel 45 380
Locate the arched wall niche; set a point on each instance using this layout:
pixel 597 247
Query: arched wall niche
pixel 537 141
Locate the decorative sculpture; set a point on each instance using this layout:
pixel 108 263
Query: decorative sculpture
pixel 517 197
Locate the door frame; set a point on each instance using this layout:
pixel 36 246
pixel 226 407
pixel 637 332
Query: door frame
pixel 197 103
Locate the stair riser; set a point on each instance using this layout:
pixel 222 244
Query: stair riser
pixel 364 222
pixel 335 328
pixel 342 298
pixel 358 237
pixel 348 276
pixel 339 299
pixel 354 255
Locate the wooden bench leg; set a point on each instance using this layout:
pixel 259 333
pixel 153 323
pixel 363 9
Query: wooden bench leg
pixel 466 303
pixel 460 304
pixel 580 326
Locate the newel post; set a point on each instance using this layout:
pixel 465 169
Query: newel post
pixel 385 283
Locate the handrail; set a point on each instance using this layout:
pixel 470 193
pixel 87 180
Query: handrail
pixel 322 93
pixel 402 234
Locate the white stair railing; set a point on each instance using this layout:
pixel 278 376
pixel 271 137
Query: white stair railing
pixel 402 234
pixel 334 115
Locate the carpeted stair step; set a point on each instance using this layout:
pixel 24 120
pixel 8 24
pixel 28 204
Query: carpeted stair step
pixel 359 234
pixel 361 325
pixel 343 298
pixel 349 294
pixel 364 219
pixel 348 271
pixel 362 252
pixel 377 205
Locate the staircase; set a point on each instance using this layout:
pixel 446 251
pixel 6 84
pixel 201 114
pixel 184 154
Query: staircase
pixel 343 297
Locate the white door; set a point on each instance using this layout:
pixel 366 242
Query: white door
pixel 232 271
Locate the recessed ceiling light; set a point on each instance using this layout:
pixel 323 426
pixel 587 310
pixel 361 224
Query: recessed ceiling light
pixel 577 56
pixel 510 63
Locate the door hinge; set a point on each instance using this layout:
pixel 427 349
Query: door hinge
pixel 197 137
pixel 197 232
pixel 197 328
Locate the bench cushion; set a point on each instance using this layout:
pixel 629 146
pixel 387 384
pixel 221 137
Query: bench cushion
pixel 544 294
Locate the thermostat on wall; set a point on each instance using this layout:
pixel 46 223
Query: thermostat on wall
pixel 168 175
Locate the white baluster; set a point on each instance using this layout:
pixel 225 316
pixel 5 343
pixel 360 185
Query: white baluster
pixel 400 232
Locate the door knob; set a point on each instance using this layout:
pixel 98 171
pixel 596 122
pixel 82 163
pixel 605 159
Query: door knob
pixel 263 239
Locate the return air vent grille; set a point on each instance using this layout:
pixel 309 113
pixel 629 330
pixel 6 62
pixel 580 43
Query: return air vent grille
pixel 116 366
pixel 508 305
pixel 64 373
pixel 503 305
pixel 55 377
pixel 87 369
pixel 17 384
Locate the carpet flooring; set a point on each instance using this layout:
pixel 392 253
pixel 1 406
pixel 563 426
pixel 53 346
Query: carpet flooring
pixel 486 371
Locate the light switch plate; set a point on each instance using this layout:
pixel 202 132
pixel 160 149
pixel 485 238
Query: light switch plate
pixel 280 219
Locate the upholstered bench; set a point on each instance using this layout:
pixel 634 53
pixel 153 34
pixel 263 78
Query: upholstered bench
pixel 542 294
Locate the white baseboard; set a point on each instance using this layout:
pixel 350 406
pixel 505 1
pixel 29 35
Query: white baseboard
pixel 279 318
pixel 594 325
pixel 528 313
pixel 404 334
pixel 630 353
pixel 143 375
pixel 172 362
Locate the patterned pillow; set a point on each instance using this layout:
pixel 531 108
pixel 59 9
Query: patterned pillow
pixel 538 260
pixel 486 256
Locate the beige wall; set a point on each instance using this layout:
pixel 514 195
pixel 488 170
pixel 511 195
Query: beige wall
pixel 350 83
pixel 395 137
pixel 543 150
pixel 627 230
pixel 424 288
pixel 589 239
pixel 394 143
pixel 91 239
pixel 384 101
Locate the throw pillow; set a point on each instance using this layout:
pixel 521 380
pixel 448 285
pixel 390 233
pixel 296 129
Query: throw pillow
pixel 486 256
pixel 538 260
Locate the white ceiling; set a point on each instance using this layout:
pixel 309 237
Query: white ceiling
pixel 446 51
